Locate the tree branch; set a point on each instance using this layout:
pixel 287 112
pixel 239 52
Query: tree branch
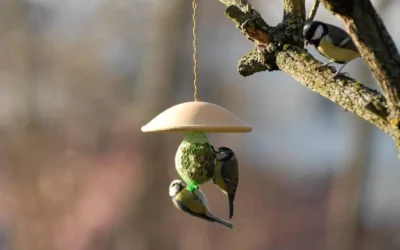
pixel 294 9
pixel 376 46
pixel 313 11
pixel 285 52
pixel 348 93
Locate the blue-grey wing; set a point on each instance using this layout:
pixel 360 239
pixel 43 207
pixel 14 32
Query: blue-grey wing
pixel 187 210
pixel 201 197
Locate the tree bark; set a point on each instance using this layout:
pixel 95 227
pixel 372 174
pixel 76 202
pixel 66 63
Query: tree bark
pixel 375 45
pixel 281 48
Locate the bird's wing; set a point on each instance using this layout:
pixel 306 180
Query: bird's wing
pixel 340 38
pixel 230 174
pixel 182 207
pixel 201 197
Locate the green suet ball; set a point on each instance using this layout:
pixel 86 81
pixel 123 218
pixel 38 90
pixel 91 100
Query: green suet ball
pixel 195 160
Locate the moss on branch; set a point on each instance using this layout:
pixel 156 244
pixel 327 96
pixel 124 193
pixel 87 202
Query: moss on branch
pixel 243 5
pixel 251 24
pixel 257 60
pixel 294 9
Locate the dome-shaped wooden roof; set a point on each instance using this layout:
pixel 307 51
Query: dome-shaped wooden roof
pixel 196 115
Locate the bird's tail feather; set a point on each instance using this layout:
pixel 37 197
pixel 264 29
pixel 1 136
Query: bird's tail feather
pixel 221 221
pixel 230 208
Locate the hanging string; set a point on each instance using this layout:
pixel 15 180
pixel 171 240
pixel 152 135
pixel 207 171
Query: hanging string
pixel 194 5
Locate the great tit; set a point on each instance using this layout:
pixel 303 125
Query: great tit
pixel 193 203
pixel 331 42
pixel 226 174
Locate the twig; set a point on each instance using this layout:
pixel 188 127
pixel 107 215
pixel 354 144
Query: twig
pixel 313 11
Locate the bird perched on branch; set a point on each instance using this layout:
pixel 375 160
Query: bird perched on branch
pixel 194 203
pixel 226 174
pixel 332 42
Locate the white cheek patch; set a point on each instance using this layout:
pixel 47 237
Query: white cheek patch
pixel 173 190
pixel 318 33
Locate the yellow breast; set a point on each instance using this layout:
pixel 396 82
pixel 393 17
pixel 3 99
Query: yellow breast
pixel 190 201
pixel 334 53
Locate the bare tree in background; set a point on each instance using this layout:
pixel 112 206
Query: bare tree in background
pixel 41 222
pixel 149 211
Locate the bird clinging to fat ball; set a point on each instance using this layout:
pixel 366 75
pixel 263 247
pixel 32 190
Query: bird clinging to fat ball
pixel 194 203
pixel 226 174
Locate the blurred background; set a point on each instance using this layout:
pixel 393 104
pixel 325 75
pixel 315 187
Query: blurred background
pixel 79 78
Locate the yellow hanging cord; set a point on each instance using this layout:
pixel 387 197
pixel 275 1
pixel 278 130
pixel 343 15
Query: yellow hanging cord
pixel 194 50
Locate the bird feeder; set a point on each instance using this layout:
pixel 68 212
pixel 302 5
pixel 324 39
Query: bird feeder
pixel 195 157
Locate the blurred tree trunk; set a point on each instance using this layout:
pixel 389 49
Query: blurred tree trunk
pixel 30 209
pixel 348 188
pixel 35 216
pixel 144 227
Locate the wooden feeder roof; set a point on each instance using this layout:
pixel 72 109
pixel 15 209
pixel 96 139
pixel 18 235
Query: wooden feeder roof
pixel 196 116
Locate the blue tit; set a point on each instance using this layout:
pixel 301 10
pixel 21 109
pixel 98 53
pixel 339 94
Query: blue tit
pixel 226 174
pixel 331 42
pixel 194 203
